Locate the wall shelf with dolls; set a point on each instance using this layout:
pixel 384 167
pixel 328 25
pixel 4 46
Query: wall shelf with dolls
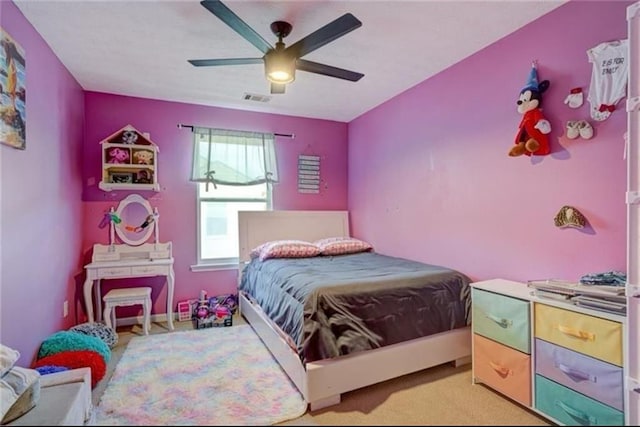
pixel 129 161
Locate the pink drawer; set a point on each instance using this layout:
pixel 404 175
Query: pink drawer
pixel 502 368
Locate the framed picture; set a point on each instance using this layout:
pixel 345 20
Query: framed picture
pixel 121 177
pixel 13 91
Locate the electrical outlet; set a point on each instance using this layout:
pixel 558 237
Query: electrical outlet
pixel 65 308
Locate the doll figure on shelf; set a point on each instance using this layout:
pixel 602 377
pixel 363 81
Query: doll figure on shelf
pixel 117 155
pixel 143 157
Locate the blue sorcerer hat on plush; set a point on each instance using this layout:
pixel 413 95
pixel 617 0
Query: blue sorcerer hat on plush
pixel 532 83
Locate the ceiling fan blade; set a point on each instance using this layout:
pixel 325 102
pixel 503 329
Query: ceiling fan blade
pixel 277 88
pixel 227 61
pixel 327 70
pixel 238 25
pixel 337 28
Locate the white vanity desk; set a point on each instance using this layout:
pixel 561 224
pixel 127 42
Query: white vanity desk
pixel 147 260
pixel 133 223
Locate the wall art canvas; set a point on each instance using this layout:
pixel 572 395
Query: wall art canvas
pixel 13 91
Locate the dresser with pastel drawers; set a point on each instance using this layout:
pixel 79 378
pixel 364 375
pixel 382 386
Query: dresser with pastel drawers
pixel 562 361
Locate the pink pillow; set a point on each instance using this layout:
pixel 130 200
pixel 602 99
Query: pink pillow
pixel 285 249
pixel 342 246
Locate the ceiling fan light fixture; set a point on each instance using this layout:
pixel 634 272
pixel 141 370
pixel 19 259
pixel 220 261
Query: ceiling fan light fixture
pixel 279 67
pixel 281 62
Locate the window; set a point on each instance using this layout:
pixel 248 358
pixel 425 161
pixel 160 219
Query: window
pixel 218 218
pixel 234 171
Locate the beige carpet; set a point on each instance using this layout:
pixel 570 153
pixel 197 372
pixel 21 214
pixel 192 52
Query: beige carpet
pixel 442 395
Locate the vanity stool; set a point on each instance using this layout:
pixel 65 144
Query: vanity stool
pixel 122 297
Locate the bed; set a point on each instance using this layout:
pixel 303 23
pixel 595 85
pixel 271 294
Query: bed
pixel 339 323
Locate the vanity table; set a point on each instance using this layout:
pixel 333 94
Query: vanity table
pixel 133 223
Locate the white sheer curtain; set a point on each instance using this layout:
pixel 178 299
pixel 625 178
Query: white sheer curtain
pixel 231 157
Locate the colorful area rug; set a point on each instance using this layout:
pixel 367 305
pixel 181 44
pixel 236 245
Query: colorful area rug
pixel 214 376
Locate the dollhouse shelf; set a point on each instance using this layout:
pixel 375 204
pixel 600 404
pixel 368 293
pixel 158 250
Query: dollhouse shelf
pixel 129 161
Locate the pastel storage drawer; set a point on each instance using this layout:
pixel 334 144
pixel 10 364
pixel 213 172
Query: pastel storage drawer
pixel 593 336
pixel 503 369
pixel 599 380
pixel 572 408
pixel 501 318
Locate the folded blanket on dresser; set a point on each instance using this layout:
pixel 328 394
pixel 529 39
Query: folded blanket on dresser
pixel 19 387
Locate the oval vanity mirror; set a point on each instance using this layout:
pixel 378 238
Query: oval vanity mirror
pixel 137 220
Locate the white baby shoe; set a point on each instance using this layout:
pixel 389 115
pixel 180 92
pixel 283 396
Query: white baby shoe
pixel 585 129
pixel 572 129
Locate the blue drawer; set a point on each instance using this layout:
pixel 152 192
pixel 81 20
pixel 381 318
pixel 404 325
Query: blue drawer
pixel 502 319
pixel 572 408
pixel 595 378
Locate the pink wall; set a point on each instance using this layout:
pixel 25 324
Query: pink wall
pixel 430 179
pixel 41 211
pixel 176 202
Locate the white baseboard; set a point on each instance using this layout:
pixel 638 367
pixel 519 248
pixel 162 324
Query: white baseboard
pixel 137 320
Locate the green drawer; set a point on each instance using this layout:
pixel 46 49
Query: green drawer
pixel 501 318
pixel 572 408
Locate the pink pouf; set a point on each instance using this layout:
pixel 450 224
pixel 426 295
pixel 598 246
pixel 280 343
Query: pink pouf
pixel 74 359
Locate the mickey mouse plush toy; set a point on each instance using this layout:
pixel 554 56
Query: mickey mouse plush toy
pixel 534 128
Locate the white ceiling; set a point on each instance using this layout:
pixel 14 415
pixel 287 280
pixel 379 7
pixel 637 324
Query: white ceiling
pixel 140 48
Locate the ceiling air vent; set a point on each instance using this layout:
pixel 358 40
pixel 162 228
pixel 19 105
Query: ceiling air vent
pixel 257 98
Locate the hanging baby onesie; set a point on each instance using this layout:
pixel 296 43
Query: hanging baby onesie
pixel 608 77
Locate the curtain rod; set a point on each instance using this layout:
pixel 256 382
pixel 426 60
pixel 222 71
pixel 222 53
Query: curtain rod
pixel 288 135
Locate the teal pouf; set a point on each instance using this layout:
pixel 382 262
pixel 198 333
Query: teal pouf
pixel 98 330
pixel 69 340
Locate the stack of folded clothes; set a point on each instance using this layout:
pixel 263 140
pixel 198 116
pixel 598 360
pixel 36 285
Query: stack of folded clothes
pixel 608 278
pixel 599 291
pixel 603 291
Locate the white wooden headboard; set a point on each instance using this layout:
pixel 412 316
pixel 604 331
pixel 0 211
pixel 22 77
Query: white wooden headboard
pixel 256 227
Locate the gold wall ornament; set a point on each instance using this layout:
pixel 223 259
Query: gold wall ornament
pixel 568 216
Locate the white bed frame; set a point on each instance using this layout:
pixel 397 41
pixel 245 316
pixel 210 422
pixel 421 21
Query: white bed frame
pixel 322 382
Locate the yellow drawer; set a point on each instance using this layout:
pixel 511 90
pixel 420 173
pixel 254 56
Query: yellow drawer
pixel 590 335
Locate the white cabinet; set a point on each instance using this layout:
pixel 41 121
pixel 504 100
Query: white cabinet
pixel 560 360
pixel 129 161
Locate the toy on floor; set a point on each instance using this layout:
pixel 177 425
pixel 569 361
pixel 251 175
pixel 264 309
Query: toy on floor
pixel 214 311
pixel 50 369
pixel 202 311
pixel 534 128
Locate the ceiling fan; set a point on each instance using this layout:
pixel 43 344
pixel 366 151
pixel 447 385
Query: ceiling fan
pixel 280 63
